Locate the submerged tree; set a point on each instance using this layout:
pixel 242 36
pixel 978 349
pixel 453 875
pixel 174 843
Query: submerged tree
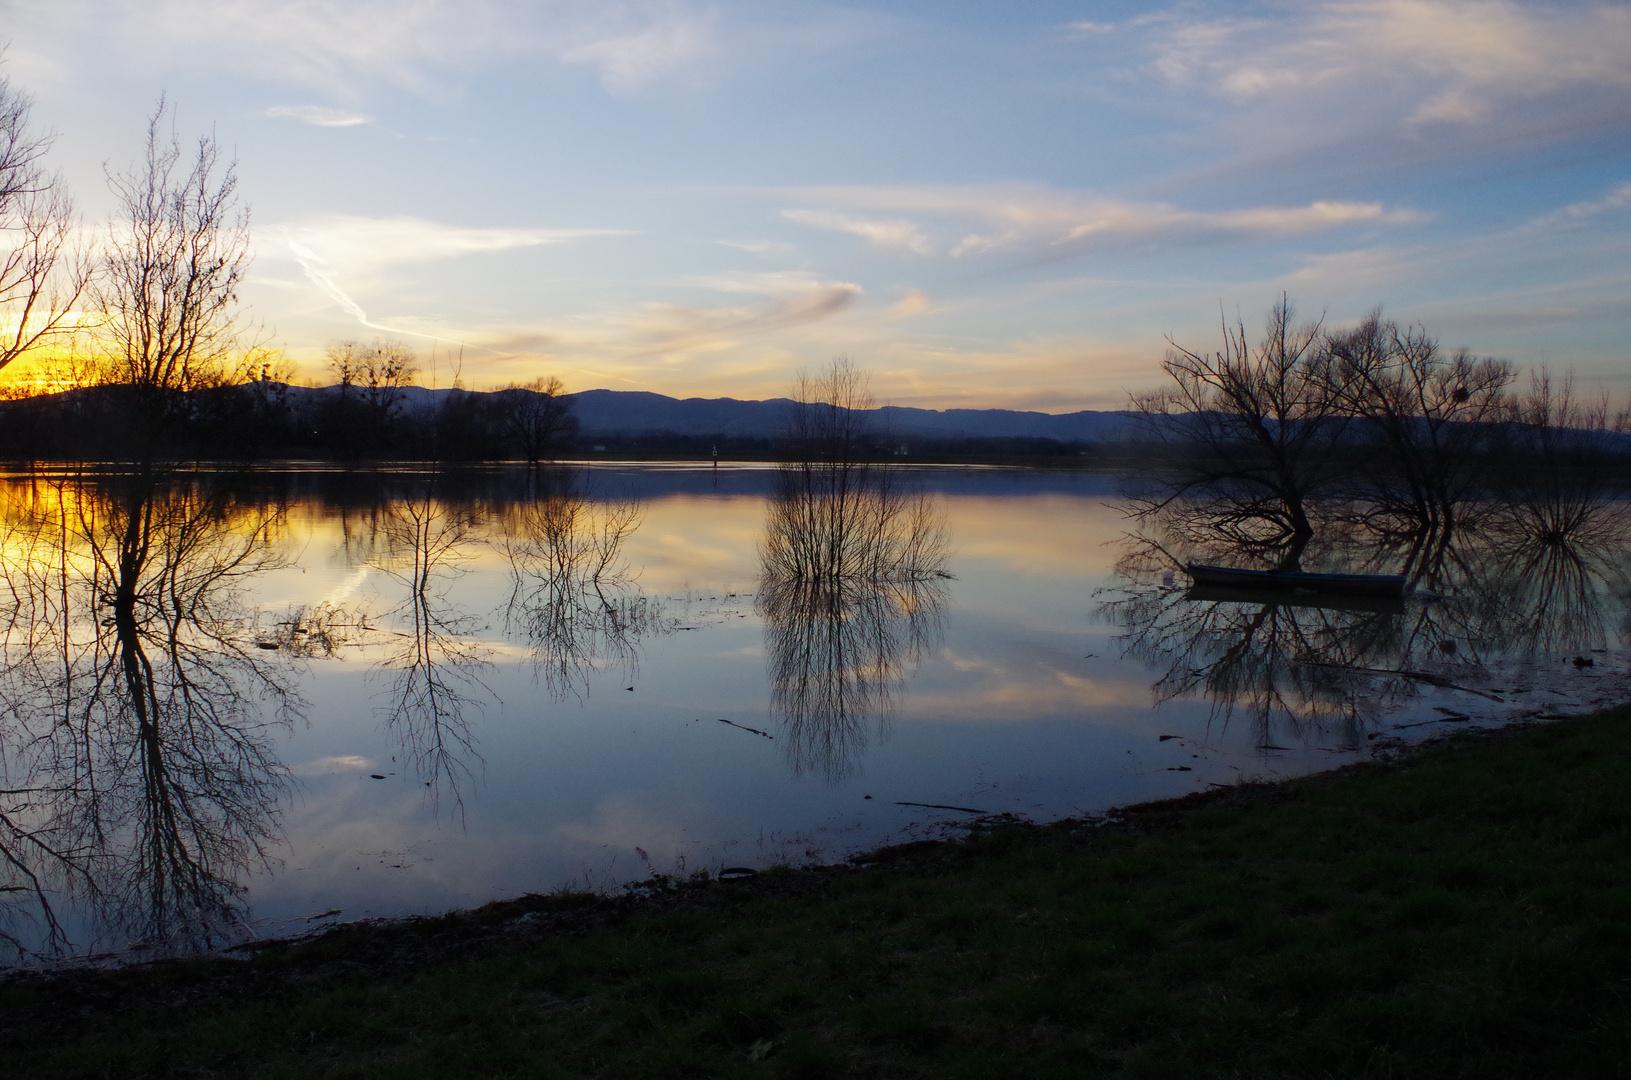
pixel 1256 432
pixel 573 598
pixel 852 579
pixel 433 666
pixel 1428 420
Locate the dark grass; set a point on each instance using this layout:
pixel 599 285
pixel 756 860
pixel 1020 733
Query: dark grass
pixel 1466 913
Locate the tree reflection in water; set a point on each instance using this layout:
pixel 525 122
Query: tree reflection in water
pixel 851 588
pixel 433 668
pixel 141 781
pixel 1545 571
pixel 572 597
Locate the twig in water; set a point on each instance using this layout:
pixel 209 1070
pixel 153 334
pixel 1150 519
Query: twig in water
pixel 1421 676
pixel 943 806
pixel 744 727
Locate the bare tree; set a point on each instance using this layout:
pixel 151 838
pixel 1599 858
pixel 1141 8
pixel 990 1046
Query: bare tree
pixel 1258 430
pixel 851 577
pixel 1431 418
pixel 373 379
pixel 535 416
pixel 377 372
pixel 171 273
pixel 829 422
pixel 42 273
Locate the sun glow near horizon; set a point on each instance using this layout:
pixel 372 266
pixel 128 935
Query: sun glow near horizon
pixel 701 200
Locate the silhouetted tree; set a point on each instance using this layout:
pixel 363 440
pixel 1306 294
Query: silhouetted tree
pixel 1429 419
pixel 173 264
pixel 535 417
pixel 852 578
pixel 42 274
pixel 373 380
pixel 1256 432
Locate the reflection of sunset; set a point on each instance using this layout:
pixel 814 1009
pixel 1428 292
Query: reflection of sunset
pixel 495 681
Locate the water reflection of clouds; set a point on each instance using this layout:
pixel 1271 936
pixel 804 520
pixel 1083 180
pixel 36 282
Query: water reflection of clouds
pixel 991 668
pixel 990 691
pixel 697 541
pixel 1063 536
pixel 626 822
pixel 338 765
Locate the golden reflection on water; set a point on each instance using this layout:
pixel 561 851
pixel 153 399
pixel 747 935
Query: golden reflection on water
pixel 159 637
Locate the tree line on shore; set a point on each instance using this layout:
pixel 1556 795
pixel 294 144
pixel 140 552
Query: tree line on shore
pixel 137 348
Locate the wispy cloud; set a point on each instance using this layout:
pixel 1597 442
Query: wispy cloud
pixel 318 115
pixel 654 344
pixel 363 246
pixel 337 46
pixel 1617 198
pixel 1044 220
pixel 348 48
pixel 344 255
pixel 898 233
pixel 1425 62
pixel 636 45
pixel 790 298
pixel 763 248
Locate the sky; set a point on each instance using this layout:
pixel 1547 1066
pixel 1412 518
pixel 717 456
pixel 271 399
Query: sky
pixel 981 204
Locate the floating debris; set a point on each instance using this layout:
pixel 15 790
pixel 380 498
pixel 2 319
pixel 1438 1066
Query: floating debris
pixel 943 806
pixel 744 727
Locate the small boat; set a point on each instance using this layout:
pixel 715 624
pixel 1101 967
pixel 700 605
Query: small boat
pixel 1351 584
pixel 1290 598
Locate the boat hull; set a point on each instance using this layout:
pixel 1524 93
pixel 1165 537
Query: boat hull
pixel 1295 598
pixel 1392 585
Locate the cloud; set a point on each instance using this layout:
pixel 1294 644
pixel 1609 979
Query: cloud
pixel 336 46
pixel 646 44
pixel 897 234
pixel 912 302
pixel 341 254
pixel 651 344
pixel 318 115
pixel 764 248
pixel 348 49
pixel 1045 220
pixel 1617 198
pixel 364 246
pixel 332 766
pixel 1431 62
pixel 791 298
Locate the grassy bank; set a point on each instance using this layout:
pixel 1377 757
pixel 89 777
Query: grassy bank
pixel 1466 912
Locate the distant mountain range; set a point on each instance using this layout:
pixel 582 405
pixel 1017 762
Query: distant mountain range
pixel 625 412
pixel 610 413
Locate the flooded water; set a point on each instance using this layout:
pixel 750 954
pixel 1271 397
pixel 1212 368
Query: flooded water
pixel 243 706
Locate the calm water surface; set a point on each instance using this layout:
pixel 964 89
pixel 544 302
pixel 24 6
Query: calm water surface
pixel 242 707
